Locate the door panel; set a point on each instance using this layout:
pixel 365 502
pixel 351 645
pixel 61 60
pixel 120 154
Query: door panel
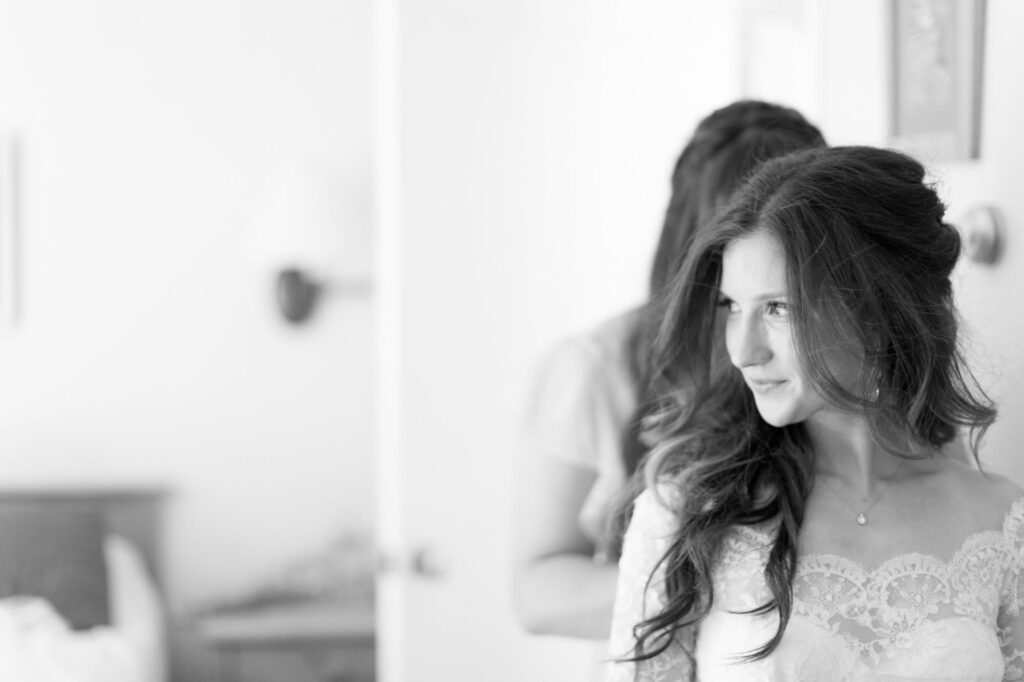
pixel 520 192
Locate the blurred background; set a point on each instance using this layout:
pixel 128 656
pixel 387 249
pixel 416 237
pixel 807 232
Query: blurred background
pixel 314 470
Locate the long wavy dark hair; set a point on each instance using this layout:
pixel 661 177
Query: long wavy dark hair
pixel 725 147
pixel 869 258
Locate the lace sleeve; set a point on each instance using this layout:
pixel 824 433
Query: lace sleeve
pixel 645 542
pixel 1011 609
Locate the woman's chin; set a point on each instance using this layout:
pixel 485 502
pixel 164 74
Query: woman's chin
pixel 778 418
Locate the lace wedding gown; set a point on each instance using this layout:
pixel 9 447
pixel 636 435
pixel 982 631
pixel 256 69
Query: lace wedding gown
pixel 915 617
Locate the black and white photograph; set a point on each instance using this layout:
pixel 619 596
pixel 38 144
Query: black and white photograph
pixel 511 341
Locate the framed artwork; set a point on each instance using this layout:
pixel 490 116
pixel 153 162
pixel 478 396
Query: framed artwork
pixel 937 54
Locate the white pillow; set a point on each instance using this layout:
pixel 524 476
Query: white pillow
pixel 136 610
pixel 36 645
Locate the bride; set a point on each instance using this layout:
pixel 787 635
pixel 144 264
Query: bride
pixel 810 511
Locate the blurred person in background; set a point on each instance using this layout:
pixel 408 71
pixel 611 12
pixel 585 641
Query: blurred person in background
pixel 581 434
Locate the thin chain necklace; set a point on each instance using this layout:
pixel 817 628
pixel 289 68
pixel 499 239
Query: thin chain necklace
pixel 862 515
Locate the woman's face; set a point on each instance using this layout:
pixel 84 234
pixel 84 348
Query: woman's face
pixel 759 335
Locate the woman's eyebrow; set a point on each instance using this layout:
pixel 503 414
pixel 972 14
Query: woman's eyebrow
pixel 759 297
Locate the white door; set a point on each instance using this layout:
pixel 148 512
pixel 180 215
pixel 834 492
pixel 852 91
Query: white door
pixel 522 160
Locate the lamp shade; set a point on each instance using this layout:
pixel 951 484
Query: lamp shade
pixel 307 220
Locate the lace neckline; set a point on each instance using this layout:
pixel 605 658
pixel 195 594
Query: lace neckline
pixel 1012 520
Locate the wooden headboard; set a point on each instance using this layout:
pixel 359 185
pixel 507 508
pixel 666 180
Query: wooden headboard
pixel 132 513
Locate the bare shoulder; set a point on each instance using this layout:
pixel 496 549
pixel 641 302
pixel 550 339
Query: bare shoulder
pixel 985 495
pixel 997 489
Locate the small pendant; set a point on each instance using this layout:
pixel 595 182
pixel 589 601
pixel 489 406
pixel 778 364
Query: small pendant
pixel 862 520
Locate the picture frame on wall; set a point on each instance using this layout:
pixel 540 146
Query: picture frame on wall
pixel 937 57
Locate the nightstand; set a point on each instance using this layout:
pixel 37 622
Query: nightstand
pixel 304 642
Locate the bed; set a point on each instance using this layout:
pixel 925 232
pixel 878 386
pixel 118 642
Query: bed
pixel 79 601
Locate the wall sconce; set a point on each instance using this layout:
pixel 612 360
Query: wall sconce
pixel 313 240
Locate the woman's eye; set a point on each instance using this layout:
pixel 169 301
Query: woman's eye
pixel 776 309
pixel 728 304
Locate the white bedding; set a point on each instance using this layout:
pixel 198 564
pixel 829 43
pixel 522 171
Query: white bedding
pixel 36 644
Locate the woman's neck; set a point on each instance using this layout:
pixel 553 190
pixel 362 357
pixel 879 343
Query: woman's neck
pixel 846 448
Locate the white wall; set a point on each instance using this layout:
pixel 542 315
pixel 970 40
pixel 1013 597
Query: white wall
pixel 614 92
pixel 148 350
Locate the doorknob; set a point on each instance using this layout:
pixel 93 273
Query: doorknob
pixel 982 229
pixel 422 562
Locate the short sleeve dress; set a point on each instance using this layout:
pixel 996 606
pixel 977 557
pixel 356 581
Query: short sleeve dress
pixel 577 407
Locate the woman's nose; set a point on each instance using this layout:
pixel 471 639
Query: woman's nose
pixel 746 342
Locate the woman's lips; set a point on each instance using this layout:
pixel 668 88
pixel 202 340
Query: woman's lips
pixel 764 385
